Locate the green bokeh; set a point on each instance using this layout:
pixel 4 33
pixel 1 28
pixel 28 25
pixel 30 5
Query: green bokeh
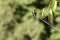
pixel 17 22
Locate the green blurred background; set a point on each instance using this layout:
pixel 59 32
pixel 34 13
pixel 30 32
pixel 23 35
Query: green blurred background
pixel 17 22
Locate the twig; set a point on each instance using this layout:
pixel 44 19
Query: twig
pixel 50 25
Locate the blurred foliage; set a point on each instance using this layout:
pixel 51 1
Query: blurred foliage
pixel 17 22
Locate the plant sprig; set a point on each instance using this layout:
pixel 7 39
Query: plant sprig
pixel 52 6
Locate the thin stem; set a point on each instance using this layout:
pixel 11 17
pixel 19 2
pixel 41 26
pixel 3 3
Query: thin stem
pixel 50 25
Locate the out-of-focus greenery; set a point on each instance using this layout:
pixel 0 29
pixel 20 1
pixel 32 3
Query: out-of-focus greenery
pixel 17 22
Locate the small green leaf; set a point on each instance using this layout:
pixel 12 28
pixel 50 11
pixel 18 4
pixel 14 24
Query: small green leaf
pixel 45 12
pixel 53 4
